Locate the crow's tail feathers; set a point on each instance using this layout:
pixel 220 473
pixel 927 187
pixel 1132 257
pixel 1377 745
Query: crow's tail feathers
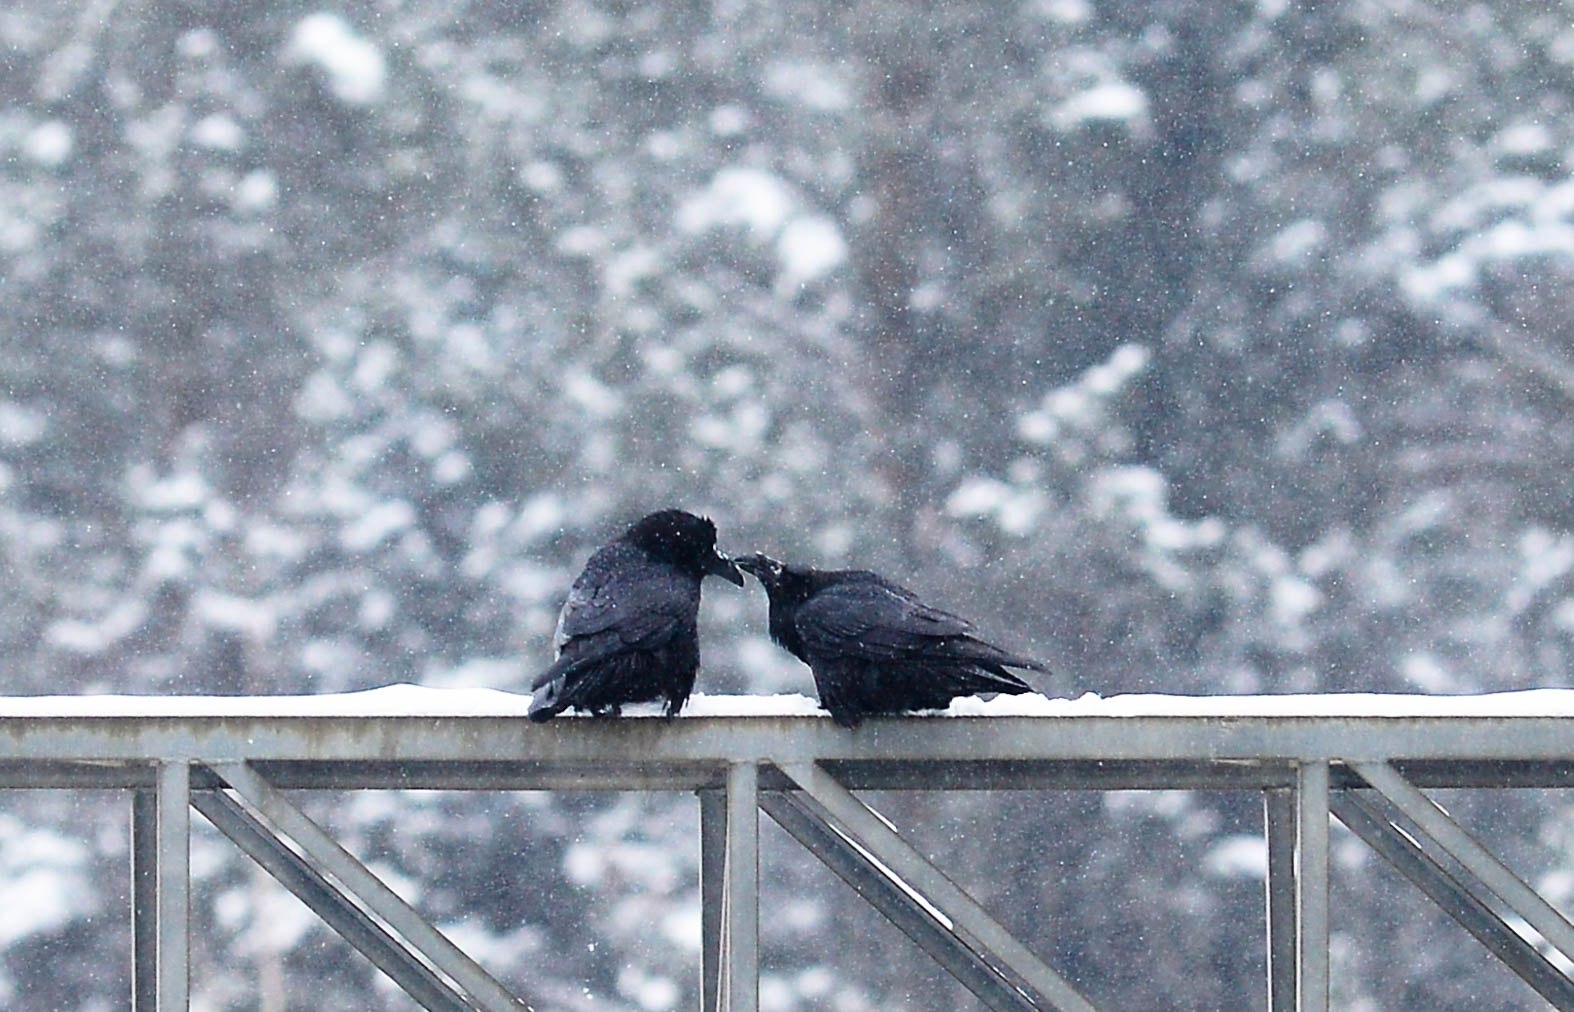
pixel 558 672
pixel 988 677
pixel 995 660
pixel 1026 664
pixel 548 701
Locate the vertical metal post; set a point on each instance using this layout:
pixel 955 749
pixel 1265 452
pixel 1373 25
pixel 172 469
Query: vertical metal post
pixel 144 900
pixel 173 886
pixel 1311 885
pixel 713 859
pixel 1279 831
pixel 741 907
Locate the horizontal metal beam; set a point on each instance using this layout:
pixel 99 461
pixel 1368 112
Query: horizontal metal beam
pixel 659 742
pixel 619 774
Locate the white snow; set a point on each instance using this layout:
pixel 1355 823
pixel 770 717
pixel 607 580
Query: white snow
pixel 378 524
pixel 219 132
pixel 815 86
pixel 591 394
pixel 255 192
pixel 1297 241
pixel 1548 557
pixel 1293 599
pixel 729 120
pixel 275 920
pixel 1524 703
pixel 21 425
pixel 650 992
pixel 45 882
pixel 1423 670
pixel 354 66
pixel 1015 509
pixel 91 637
pixel 1239 855
pixel 178 492
pixel 749 197
pixel 542 176
pixel 807 245
pixel 1066 12
pixel 1108 378
pixel 787 704
pixel 50 143
pixel 1110 101
pixel 1524 139
pixel 246 615
pixel 1536 226
pixel 405 700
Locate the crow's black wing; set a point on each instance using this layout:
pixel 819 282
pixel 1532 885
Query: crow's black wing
pixel 622 601
pixel 602 592
pixel 873 619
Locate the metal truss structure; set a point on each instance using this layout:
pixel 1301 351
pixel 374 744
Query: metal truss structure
pixel 1369 772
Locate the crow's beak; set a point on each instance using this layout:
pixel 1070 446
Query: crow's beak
pixel 725 568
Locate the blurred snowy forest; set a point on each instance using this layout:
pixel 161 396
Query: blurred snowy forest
pixel 1197 347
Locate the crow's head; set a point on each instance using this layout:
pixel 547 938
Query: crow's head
pixel 786 586
pixel 778 579
pixel 683 540
pixel 767 570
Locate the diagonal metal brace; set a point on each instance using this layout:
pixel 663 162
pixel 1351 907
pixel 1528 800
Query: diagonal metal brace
pixel 1464 848
pixel 352 923
pixel 482 989
pixel 1402 851
pixel 882 891
pixel 924 880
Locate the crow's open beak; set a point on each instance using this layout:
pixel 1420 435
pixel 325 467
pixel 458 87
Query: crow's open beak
pixel 725 568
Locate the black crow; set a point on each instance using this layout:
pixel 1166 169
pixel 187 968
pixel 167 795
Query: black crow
pixel 874 647
pixel 628 632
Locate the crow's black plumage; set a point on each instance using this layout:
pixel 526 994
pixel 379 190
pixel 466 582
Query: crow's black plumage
pixel 874 647
pixel 628 632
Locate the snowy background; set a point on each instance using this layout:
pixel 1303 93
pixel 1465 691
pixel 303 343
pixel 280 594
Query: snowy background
pixel 1194 347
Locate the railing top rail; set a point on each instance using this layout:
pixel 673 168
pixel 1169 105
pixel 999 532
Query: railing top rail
pixel 406 736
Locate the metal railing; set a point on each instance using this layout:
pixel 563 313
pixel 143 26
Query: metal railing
pixel 1369 772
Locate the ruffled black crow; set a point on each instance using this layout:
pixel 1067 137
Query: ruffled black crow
pixel 874 647
pixel 628 632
